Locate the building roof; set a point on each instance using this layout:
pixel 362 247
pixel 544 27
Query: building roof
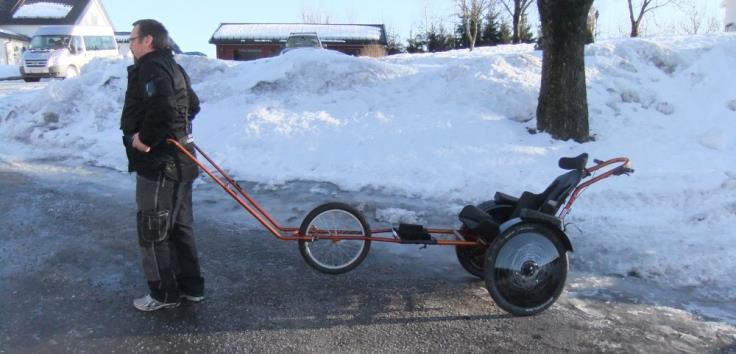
pixel 12 35
pixel 41 12
pixel 237 33
pixel 122 37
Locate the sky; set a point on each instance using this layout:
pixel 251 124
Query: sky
pixel 193 26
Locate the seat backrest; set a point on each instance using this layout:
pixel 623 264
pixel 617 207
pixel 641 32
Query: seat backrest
pixel 528 200
pixel 560 189
pixel 552 198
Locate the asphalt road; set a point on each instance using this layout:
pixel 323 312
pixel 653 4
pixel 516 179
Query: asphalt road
pixel 69 270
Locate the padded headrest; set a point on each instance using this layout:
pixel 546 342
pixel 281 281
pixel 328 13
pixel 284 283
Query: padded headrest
pixel 574 163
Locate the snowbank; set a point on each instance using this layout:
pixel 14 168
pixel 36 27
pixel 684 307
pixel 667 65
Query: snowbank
pixel 9 71
pixel 454 125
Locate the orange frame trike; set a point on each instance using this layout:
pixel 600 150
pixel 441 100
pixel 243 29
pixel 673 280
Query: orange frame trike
pixel 517 245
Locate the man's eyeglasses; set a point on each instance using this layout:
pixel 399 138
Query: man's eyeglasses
pixel 131 39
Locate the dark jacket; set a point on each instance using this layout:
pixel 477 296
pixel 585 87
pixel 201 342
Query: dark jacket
pixel 159 104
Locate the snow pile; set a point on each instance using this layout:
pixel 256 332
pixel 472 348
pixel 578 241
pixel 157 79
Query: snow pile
pixel 455 125
pixel 281 31
pixel 43 10
pixel 9 71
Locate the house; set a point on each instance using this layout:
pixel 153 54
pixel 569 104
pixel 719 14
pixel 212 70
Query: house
pixel 26 16
pixel 730 18
pixel 250 41
pixel 123 40
pixel 12 46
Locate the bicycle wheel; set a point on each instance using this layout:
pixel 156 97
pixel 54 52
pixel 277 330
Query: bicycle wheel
pixel 526 269
pixel 473 259
pixel 333 256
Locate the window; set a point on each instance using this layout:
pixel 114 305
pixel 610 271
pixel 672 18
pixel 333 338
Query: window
pixel 99 42
pixel 247 54
pixel 77 44
pixel 49 42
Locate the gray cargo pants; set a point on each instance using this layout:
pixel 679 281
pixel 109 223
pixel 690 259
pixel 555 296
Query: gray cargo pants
pixel 169 255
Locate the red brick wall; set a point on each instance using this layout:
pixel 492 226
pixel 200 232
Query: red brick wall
pixel 231 51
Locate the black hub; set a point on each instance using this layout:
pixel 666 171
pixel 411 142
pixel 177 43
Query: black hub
pixel 529 268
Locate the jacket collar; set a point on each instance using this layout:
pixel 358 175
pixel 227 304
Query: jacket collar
pixel 155 54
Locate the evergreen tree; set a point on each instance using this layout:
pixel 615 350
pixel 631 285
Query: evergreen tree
pixel 460 38
pixel 492 29
pixel 393 43
pixel 505 34
pixel 416 44
pixel 439 39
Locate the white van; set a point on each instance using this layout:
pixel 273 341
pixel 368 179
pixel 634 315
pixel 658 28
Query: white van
pixel 61 51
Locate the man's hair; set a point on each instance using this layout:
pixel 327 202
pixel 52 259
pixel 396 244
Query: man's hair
pixel 156 30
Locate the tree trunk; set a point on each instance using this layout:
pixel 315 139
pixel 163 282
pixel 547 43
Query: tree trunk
pixel 563 102
pixel 473 37
pixel 516 19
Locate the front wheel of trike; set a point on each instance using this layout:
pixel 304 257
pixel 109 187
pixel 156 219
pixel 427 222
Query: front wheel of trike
pixel 526 269
pixel 339 238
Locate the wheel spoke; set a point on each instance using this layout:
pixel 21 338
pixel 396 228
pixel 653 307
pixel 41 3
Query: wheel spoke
pixel 335 255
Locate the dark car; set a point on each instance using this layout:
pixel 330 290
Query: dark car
pixel 302 40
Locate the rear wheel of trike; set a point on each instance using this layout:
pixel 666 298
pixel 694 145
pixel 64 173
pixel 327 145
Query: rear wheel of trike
pixel 334 256
pixel 472 258
pixel 526 269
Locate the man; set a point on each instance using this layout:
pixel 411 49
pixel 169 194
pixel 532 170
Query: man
pixel 159 105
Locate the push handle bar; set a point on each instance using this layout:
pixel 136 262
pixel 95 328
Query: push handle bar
pixel 241 197
pixel 621 169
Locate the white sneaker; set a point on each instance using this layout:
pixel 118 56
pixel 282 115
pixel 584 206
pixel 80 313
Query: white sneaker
pixel 147 304
pixel 192 298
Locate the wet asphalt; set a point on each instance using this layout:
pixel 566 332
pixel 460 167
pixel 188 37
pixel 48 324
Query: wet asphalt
pixel 69 270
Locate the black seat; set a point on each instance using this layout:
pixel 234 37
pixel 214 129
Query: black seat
pixel 503 198
pixel 549 201
pixel 479 222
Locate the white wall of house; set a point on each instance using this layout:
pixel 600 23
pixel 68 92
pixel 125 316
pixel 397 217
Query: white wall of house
pixel 730 17
pixel 93 15
pixel 11 51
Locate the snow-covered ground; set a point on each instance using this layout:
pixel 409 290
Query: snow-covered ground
pixel 454 126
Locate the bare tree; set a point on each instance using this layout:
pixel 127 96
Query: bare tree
pixel 471 13
pixel 517 10
pixel 314 17
pixel 563 100
pixel 697 20
pixel 643 7
pixel 697 23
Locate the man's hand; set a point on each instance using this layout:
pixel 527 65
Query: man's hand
pixel 138 145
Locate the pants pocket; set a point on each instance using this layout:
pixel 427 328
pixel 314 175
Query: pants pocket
pixel 153 227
